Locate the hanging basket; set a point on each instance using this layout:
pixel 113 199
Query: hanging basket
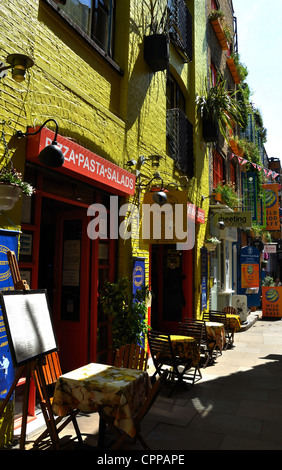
pixel 210 129
pixel 211 246
pixel 9 195
pixel 156 52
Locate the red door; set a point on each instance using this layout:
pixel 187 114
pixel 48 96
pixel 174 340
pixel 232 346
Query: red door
pixel 71 288
pixel 172 286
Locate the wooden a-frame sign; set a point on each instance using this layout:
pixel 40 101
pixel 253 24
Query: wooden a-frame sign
pixel 31 337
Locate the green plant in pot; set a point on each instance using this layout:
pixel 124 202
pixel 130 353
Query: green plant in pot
pixel 156 43
pixel 211 243
pixel 11 181
pixel 268 281
pixel 126 311
pixel 228 194
pixel 219 110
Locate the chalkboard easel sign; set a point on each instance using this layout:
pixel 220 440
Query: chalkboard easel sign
pixel 28 324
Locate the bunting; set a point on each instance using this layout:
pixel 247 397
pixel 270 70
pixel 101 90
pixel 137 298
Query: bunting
pixel 268 173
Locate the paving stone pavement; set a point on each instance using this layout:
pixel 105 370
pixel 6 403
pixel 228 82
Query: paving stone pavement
pixel 236 406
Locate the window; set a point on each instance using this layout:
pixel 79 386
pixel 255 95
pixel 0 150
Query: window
pixel 181 28
pixel 95 18
pixel 232 173
pixel 213 74
pixel 179 129
pixel 218 169
pixel 175 97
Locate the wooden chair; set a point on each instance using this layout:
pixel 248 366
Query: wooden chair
pixel 131 356
pixel 230 311
pixel 51 372
pixel 191 327
pixel 164 358
pixel 121 436
pixel 197 329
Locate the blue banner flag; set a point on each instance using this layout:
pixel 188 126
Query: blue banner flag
pixel 8 242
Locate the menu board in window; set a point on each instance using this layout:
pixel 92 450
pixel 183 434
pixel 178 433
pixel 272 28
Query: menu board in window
pixel 28 324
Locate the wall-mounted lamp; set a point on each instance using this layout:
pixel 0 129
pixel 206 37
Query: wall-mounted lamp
pixel 131 162
pixel 142 160
pixel 19 63
pixel 160 197
pixel 206 197
pixel 220 223
pixel 51 155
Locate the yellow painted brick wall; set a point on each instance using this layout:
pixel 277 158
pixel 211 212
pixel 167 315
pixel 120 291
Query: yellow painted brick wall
pixel 118 116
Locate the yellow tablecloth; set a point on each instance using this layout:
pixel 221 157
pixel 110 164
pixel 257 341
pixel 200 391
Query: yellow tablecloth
pixel 118 391
pixel 233 322
pixel 215 331
pixel 187 347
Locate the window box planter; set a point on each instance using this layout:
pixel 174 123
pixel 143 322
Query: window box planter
pixel 217 197
pixel 219 31
pixel 235 149
pixel 233 70
pixel 156 51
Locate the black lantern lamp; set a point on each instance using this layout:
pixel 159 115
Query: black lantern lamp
pixel 51 156
pixel 19 63
pixel 160 197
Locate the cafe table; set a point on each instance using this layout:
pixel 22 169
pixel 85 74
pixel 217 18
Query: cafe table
pixel 233 322
pixel 186 347
pixel 118 392
pixel 215 331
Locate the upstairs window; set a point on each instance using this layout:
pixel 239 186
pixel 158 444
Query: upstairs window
pixel 95 18
pixel 175 97
pixel 179 129
pixel 232 173
pixel 218 169
pixel 214 5
pixel 181 28
pixel 213 74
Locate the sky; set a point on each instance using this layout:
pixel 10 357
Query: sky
pixel 259 47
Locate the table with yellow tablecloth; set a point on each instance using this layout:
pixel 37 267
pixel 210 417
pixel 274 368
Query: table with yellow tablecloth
pixel 216 332
pixel 119 392
pixel 233 322
pixel 186 347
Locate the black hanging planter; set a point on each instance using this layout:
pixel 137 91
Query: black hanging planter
pixel 156 51
pixel 210 129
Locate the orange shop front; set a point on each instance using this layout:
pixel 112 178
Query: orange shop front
pixel 57 253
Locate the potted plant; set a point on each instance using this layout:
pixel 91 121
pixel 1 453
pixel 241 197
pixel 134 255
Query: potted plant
pixel 211 243
pixel 268 281
pixel 11 187
pixel 216 18
pixel 126 311
pixel 11 181
pixel 219 111
pixel 156 43
pixel 228 194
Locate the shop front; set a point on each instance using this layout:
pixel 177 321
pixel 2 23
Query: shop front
pixel 59 252
pixel 172 276
pixel 225 224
